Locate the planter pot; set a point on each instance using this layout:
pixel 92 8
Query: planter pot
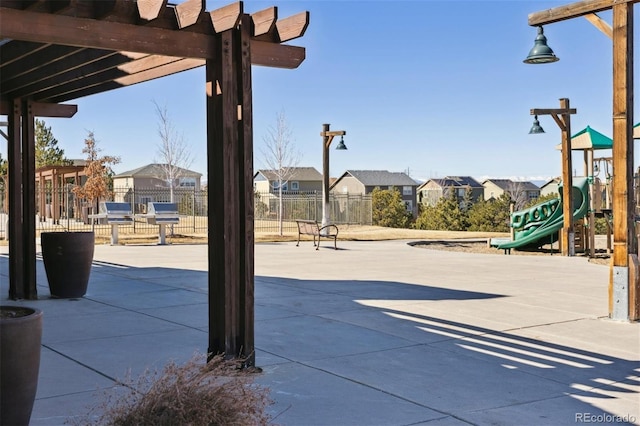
pixel 20 337
pixel 67 258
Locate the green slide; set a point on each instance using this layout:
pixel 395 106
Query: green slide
pixel 539 225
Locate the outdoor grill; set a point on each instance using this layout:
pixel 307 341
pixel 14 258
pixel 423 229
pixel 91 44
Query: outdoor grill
pixel 115 214
pixel 162 214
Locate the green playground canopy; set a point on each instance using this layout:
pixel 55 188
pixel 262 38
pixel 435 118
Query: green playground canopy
pixel 589 138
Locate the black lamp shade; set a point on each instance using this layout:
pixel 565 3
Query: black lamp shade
pixel 541 53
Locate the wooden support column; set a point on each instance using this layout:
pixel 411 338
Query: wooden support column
pixel 22 231
pixel 230 171
pixel 16 230
pixel 567 236
pixel 29 198
pixel 624 242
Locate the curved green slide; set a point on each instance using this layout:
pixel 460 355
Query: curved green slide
pixel 539 225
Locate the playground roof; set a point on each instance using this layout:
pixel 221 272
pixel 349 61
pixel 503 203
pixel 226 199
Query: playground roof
pixel 588 138
pixel 636 131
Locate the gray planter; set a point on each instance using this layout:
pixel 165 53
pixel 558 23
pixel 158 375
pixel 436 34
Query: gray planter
pixel 20 338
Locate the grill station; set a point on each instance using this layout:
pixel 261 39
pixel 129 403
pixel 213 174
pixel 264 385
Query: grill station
pixel 162 214
pixel 115 214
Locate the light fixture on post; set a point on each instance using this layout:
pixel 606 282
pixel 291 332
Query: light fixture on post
pixel 540 53
pixel 624 277
pixel 536 128
pixel 562 116
pixel 327 138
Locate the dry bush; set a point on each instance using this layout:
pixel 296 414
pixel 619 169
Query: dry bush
pixel 218 392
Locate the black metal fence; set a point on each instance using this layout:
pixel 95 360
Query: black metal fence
pixel 62 210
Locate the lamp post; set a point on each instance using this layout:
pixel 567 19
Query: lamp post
pixel 624 281
pixel 562 116
pixel 327 138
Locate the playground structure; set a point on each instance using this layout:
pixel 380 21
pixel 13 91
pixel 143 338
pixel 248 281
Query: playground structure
pixel 591 195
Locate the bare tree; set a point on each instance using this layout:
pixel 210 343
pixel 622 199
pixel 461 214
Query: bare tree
pixel 518 194
pixel 173 150
pixel 280 156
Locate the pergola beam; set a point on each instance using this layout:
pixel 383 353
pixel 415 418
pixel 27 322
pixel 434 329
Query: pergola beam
pixel 84 32
pixel 188 12
pixel 43 109
pixel 573 10
pixel 226 17
pixel 150 9
pixel 264 21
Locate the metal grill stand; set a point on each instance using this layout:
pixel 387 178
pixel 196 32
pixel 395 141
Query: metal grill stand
pixel 161 214
pixel 116 214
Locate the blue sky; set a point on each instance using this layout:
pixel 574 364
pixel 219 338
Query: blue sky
pixel 434 88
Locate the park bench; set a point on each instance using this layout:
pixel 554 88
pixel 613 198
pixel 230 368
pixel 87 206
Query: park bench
pixel 313 228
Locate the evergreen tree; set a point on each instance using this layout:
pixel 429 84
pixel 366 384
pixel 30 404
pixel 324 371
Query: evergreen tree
pixel 389 209
pixel 47 151
pixel 446 215
pixel 490 215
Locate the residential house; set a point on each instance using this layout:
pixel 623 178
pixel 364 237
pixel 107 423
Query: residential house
pixel 302 179
pixel 434 189
pixel 365 181
pixel 520 191
pixel 149 184
pixel 550 187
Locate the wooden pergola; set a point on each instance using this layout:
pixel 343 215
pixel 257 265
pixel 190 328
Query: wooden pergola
pixel 55 177
pixel 55 51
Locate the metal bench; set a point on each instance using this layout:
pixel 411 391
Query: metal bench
pixel 161 214
pixel 115 214
pixel 313 228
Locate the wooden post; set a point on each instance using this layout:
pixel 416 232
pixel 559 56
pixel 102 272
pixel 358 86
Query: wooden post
pixel 562 117
pixel 624 242
pixel 568 232
pixel 230 170
pixel 326 142
pixel 22 231
pixel 591 221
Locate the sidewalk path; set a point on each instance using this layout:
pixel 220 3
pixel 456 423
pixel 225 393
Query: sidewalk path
pixel 375 333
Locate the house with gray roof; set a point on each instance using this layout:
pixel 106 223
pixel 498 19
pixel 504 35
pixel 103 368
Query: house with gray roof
pixel 302 179
pixel 365 181
pixel 521 192
pixel 494 188
pixel 430 192
pixel 551 186
pixel 149 183
pixel 154 176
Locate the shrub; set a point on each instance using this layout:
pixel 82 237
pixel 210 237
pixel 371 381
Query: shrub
pixel 490 215
pixel 541 199
pixel 601 226
pixel 217 392
pixel 446 215
pixel 389 209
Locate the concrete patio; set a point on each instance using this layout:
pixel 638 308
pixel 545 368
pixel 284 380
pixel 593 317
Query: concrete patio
pixel 375 333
